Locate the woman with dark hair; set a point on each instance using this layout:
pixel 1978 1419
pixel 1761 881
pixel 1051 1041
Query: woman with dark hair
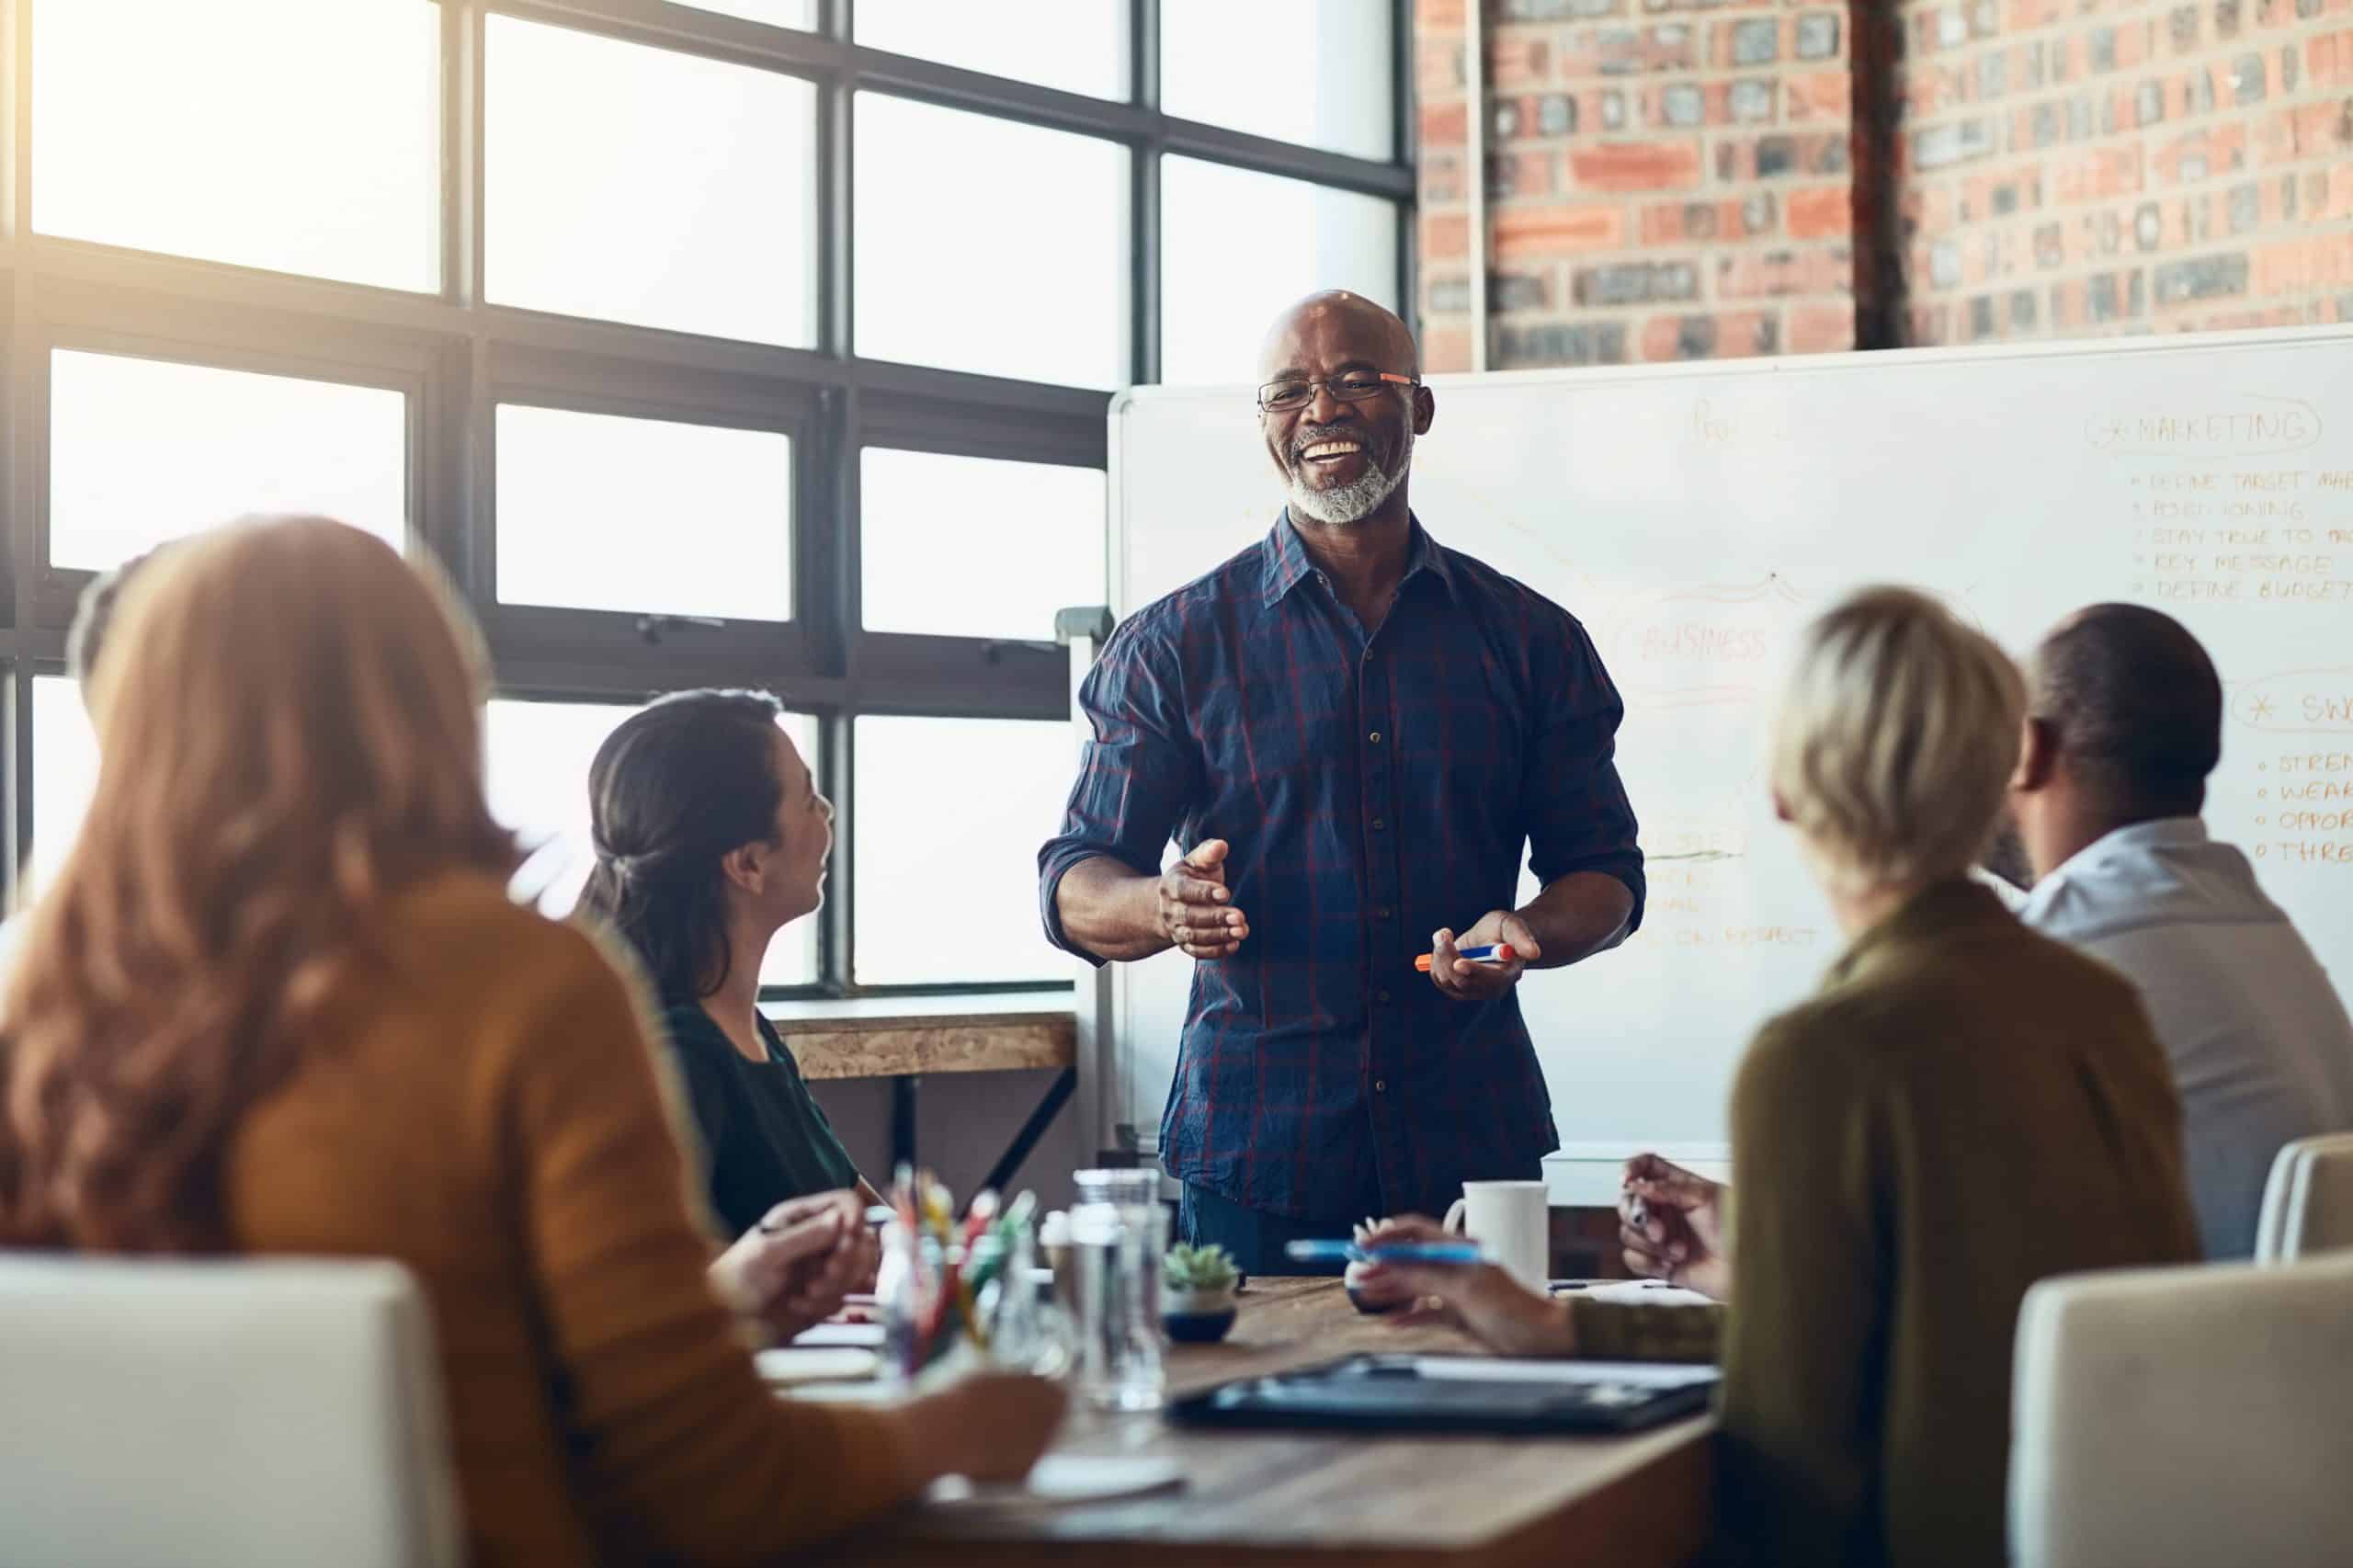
pixel 711 838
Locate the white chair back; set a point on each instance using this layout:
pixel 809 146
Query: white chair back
pixel 220 1414
pixel 2184 1416
pixel 2308 1201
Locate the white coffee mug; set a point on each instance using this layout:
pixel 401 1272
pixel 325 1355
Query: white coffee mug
pixel 1511 1219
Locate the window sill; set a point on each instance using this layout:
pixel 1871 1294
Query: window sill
pixel 898 1037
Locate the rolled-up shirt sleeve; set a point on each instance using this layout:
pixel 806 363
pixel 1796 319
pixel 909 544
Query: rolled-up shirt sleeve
pixel 1137 773
pixel 1580 819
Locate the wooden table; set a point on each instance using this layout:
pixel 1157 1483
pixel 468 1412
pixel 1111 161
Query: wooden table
pixel 1309 1497
pixel 903 1049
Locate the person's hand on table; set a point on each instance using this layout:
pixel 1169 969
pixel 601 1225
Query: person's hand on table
pixel 1479 1298
pixel 792 1270
pixel 1197 913
pixel 1468 979
pixel 988 1426
pixel 1670 1222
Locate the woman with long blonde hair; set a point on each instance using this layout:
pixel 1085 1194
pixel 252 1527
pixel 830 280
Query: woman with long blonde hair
pixel 278 1001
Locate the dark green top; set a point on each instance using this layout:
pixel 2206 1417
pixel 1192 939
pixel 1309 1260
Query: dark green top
pixel 1964 1108
pixel 765 1138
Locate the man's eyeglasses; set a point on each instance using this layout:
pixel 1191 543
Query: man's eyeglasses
pixel 1349 386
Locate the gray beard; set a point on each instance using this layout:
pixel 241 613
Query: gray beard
pixel 1352 502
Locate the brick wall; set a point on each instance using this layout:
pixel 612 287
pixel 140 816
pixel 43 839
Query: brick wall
pixel 1667 180
pixel 1706 178
pixel 2075 168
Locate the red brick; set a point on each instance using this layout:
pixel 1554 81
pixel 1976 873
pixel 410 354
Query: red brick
pixel 1446 233
pixel 1814 152
pixel 2070 302
pixel 1621 51
pixel 1676 223
pixel 2101 174
pixel 1715 104
pixel 1441 177
pixel 1438 68
pixel 1821 329
pixel 1445 347
pixel 1517 62
pixel 1532 172
pixel 1757 275
pixel 1446 125
pixel 1824 212
pixel 2311 130
pixel 2304 265
pixel 2202 154
pixel 1733 334
pixel 2025 14
pixel 1823 94
pixel 1662 338
pixel 1522 231
pixel 2328 196
pixel 1433 15
pixel 1742 333
pixel 1635 165
pixel 2328 59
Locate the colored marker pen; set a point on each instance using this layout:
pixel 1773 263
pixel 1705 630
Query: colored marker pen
pixel 1499 952
pixel 1382 1252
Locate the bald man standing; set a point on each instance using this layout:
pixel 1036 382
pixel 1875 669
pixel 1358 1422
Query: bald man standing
pixel 1353 733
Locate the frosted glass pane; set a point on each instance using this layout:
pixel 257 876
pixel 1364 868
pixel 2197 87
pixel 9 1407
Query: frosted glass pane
pixel 1218 298
pixel 285 134
pixel 977 547
pixel 538 755
pixel 989 246
pixel 691 210
pixel 65 774
pixel 950 813
pixel 1079 46
pixel 143 450
pixel 600 512
pixel 1316 72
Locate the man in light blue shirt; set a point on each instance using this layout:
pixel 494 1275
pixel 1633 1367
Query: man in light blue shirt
pixel 2124 725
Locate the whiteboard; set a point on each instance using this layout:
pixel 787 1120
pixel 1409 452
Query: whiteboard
pixel 1694 517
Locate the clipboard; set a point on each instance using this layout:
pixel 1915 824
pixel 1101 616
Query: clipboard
pixel 1458 1393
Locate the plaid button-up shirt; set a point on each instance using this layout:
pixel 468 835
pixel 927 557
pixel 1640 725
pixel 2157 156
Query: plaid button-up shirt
pixel 1372 791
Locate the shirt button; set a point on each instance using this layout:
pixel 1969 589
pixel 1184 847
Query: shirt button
pixel 1382 997
pixel 1383 912
pixel 1380 1085
pixel 1375 738
pixel 1379 823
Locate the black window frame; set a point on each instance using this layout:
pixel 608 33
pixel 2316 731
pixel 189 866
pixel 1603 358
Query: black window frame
pixel 457 356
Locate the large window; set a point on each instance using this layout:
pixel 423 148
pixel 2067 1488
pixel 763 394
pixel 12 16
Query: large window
pixel 729 342
pixel 284 135
pixel 144 451
pixel 643 186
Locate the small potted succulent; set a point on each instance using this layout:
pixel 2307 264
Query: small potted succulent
pixel 1196 1285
